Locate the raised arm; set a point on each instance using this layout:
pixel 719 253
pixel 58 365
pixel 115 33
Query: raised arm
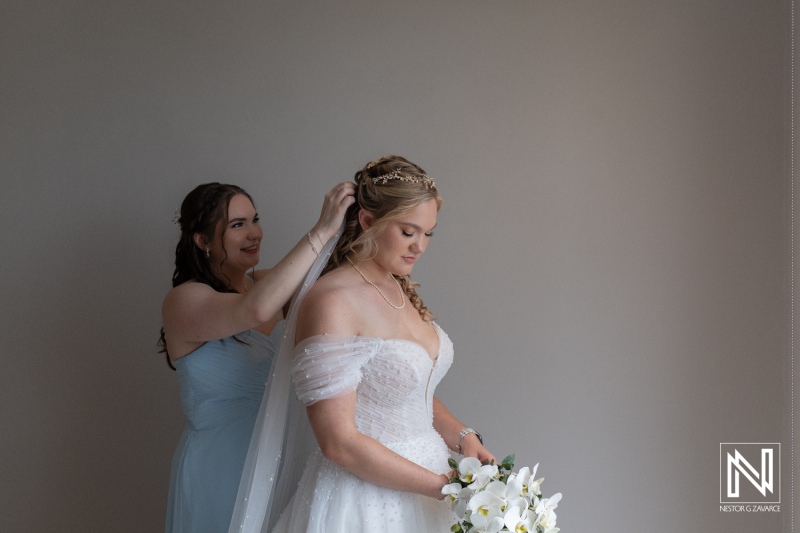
pixel 194 312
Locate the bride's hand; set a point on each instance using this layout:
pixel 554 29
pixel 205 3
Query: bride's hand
pixel 334 208
pixel 472 447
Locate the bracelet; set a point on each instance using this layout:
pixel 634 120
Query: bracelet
pixel 446 482
pixel 312 244
pixel 464 433
pixel 321 242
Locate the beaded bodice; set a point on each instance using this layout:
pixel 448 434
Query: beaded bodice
pixel 394 380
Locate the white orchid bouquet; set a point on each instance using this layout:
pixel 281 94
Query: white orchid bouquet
pixel 489 498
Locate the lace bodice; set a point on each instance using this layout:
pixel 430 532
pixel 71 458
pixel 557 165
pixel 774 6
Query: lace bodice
pixel 394 379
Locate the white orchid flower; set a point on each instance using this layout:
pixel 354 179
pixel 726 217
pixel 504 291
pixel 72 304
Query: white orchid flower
pixel 547 521
pixel 519 519
pixel 520 502
pixel 459 506
pixel 485 507
pixel 524 475
pixel 485 502
pixel 451 491
pixel 484 475
pixel 548 504
pixel 535 487
pixel 486 524
pixel 510 494
pixel 515 489
pixel 468 468
pixel 498 488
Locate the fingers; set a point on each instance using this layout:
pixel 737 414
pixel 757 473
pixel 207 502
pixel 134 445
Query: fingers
pixel 344 195
pixel 343 189
pixel 337 200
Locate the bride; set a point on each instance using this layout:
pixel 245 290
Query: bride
pixel 367 360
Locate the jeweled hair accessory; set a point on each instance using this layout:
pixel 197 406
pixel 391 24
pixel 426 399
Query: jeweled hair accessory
pixel 396 175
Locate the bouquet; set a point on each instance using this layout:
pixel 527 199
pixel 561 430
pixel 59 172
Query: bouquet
pixel 488 498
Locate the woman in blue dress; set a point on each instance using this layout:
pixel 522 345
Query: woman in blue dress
pixel 221 331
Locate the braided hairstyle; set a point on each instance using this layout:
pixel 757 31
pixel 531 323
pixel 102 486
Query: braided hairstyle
pixel 201 212
pixel 389 200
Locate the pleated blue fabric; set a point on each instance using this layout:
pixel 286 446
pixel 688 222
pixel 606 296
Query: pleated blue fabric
pixel 222 384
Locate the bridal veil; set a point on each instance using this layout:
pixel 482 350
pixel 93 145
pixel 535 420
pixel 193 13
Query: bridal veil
pixel 282 437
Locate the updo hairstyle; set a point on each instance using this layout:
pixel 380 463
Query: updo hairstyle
pixel 389 188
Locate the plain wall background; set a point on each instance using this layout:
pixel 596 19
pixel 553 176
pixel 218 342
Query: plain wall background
pixel 612 262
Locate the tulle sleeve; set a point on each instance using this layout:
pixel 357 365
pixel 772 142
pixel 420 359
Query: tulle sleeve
pixel 327 366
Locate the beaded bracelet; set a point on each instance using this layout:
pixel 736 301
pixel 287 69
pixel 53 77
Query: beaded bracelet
pixel 312 244
pixel 464 433
pixel 321 242
pixel 446 482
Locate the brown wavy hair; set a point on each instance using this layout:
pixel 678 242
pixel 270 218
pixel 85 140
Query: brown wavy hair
pixel 388 200
pixel 201 211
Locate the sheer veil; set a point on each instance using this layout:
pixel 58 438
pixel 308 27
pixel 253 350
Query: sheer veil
pixel 282 437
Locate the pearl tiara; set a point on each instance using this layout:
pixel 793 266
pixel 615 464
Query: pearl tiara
pixel 395 175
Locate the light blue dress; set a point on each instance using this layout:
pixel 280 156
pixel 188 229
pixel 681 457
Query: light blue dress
pixel 221 386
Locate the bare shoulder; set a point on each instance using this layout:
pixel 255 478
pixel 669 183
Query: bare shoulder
pixel 187 293
pixel 329 307
pixel 179 309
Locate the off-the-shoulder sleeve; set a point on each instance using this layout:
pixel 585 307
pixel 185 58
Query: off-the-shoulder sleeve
pixel 327 366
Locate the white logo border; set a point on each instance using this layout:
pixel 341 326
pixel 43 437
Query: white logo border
pixel 722 474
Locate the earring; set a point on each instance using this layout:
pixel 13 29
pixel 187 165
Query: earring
pixel 208 252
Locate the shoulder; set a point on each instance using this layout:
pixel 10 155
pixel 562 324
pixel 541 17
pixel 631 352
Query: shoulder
pixel 188 289
pixel 183 291
pixel 187 294
pixel 331 306
pixel 331 291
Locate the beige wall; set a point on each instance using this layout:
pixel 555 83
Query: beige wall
pixel 612 261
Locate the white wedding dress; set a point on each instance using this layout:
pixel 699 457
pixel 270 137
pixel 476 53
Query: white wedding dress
pixel 395 380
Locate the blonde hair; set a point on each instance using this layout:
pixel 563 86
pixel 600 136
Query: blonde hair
pixel 388 188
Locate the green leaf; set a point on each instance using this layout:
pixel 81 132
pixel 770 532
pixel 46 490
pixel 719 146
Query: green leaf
pixel 510 459
pixel 508 462
pixel 452 462
pixel 456 528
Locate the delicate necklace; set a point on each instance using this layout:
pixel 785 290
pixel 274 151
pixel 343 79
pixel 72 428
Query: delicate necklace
pixel 399 288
